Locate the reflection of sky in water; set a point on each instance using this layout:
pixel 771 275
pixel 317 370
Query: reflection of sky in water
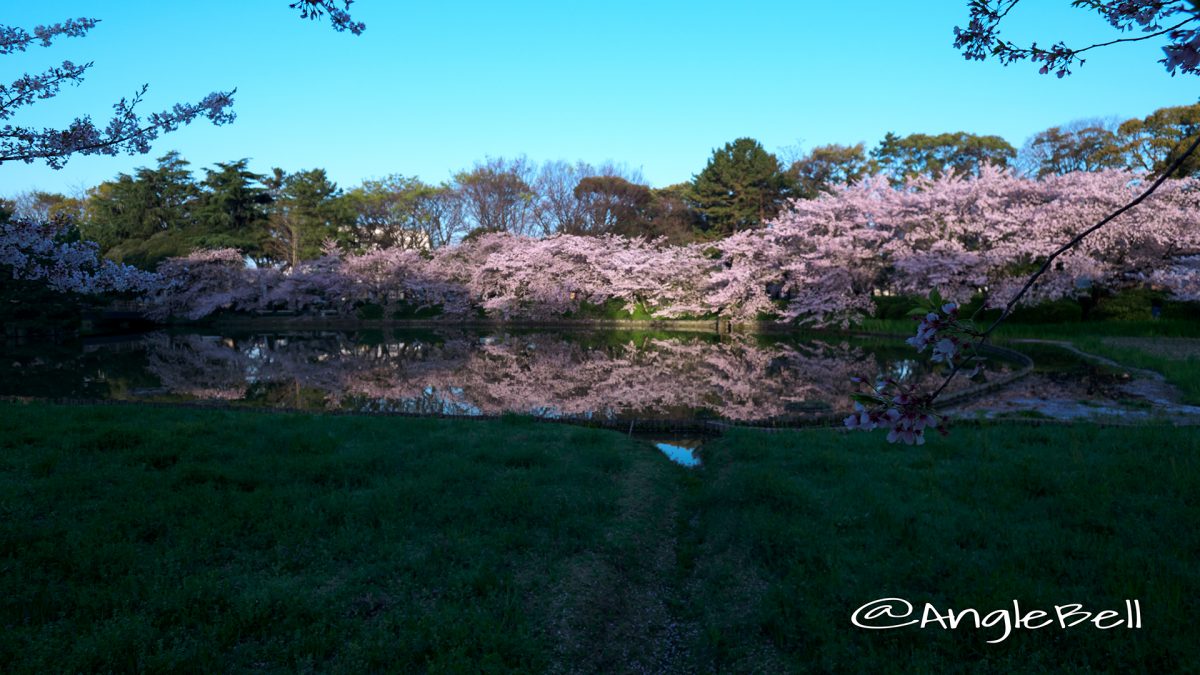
pixel 678 454
pixel 903 370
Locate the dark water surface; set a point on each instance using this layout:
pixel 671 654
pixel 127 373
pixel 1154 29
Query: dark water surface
pixel 607 376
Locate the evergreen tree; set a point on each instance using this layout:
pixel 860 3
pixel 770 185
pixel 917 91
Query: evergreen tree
pixel 147 217
pixel 742 188
pixel 232 212
pixel 307 210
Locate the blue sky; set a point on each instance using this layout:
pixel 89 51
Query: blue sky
pixel 432 87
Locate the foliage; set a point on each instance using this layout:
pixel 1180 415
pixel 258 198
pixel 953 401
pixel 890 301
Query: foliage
pixel 827 166
pixel 401 211
pixel 1153 143
pixel 233 210
pixel 742 187
pixel 145 218
pixel 960 154
pixel 307 210
pixel 1085 145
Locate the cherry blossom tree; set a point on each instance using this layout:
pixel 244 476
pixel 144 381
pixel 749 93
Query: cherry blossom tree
pixel 907 411
pixel 43 252
pixel 818 263
pixel 461 373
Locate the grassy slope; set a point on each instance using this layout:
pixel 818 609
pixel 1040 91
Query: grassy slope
pixel 213 541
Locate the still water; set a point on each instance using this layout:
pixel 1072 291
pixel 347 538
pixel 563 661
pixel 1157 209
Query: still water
pixel 586 375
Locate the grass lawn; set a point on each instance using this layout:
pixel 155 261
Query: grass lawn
pixel 136 538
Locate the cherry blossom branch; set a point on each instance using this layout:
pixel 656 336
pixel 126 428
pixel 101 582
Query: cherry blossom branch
pixel 13 39
pixel 980 38
pixel 127 131
pixel 339 17
pixel 902 408
pixel 29 88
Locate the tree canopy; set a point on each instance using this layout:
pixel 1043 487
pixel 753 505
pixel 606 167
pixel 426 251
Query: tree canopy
pixel 742 187
pixel 958 153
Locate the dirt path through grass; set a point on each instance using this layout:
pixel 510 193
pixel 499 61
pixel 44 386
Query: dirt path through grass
pixel 615 609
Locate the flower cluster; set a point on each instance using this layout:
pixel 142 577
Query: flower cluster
pixel 339 17
pixel 42 252
pixel 940 329
pixel 892 405
pixel 902 408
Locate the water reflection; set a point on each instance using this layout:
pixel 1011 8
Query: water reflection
pixel 681 452
pixel 603 376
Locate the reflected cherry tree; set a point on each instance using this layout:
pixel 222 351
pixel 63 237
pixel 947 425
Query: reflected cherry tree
pixel 586 376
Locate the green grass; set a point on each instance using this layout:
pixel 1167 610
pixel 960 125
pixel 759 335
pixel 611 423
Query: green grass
pixel 205 541
pixel 155 539
pixel 1183 373
pixel 797 530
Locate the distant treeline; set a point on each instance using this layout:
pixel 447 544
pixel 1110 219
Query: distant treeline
pixel 282 218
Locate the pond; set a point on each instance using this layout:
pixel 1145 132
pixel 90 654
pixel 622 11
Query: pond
pixel 596 376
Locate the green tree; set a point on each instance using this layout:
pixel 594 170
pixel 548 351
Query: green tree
pixel 959 153
pixel 307 209
pixel 233 210
pixel 673 216
pixel 828 165
pixel 147 217
pixel 1085 145
pixel 742 187
pixel 1153 143
pixel 400 211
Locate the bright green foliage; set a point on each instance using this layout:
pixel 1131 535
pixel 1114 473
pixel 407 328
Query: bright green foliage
pixel 959 153
pixel 1154 142
pixel 741 188
pixel 400 211
pixel 828 165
